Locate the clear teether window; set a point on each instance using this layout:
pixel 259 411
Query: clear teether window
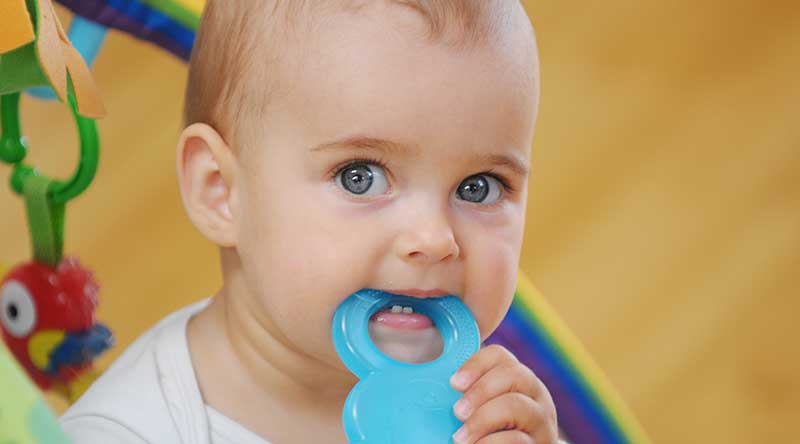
pixel 404 335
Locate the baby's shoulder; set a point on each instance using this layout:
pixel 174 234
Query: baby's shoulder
pixel 149 394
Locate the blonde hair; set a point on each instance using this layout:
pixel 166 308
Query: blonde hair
pixel 221 91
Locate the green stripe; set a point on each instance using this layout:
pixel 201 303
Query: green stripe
pixel 175 11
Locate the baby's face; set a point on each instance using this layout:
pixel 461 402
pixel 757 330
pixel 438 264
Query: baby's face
pixel 388 162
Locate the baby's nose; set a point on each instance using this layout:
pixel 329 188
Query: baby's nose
pixel 428 243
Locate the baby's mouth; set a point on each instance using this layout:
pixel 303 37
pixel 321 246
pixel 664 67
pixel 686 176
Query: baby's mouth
pixel 404 335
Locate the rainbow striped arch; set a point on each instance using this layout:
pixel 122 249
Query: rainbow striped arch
pixel 170 24
pixel 590 411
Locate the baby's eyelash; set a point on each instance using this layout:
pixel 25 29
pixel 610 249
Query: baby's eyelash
pixel 507 187
pixel 357 161
pixel 502 179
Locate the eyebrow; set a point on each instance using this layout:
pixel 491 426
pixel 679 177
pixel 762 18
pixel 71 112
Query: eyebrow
pixel 389 147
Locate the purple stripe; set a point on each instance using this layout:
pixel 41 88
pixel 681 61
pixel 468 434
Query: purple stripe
pixel 573 421
pixel 104 14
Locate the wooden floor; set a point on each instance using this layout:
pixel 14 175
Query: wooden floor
pixel 663 220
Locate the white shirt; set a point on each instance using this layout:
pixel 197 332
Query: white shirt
pixel 227 431
pixel 150 395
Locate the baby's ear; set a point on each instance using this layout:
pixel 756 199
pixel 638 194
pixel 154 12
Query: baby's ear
pixel 206 176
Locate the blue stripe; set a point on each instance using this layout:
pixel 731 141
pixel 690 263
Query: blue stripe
pixel 139 20
pixel 551 355
pixel 155 20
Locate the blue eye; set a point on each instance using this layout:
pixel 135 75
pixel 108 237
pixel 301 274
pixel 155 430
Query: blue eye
pixel 480 188
pixel 363 179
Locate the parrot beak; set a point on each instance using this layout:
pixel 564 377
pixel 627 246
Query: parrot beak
pixel 77 348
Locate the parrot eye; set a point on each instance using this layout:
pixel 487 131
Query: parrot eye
pixel 17 310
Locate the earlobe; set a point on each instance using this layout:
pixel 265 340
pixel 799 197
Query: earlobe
pixel 206 178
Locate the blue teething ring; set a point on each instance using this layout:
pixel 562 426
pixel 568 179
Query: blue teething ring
pixel 359 353
pixel 396 402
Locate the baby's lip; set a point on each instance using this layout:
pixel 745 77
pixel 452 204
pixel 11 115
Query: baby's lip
pixel 418 293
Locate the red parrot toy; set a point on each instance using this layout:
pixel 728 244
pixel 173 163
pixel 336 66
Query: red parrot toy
pixel 48 322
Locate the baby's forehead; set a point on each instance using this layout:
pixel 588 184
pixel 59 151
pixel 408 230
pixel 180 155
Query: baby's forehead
pixel 415 106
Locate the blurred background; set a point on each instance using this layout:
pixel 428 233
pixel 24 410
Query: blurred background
pixel 663 220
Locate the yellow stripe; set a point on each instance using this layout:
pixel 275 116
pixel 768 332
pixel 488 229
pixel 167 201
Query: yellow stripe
pixel 533 300
pixel 42 344
pixel 193 6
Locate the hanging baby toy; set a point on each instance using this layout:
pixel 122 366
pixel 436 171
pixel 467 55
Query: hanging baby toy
pixel 47 305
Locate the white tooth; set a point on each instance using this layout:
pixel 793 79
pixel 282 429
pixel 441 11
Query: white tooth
pixel 408 310
pixel 397 309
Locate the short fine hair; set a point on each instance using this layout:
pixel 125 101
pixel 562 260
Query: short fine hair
pixel 220 89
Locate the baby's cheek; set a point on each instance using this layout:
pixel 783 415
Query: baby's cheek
pixel 491 287
pixel 309 283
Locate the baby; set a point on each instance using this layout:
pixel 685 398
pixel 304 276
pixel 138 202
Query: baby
pixel 332 146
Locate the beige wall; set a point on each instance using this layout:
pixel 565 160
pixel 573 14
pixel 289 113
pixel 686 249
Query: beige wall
pixel 664 212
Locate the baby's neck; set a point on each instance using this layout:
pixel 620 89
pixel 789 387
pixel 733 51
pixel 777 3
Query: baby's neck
pixel 250 376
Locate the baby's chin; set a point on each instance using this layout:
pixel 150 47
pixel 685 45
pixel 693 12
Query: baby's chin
pixel 411 346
